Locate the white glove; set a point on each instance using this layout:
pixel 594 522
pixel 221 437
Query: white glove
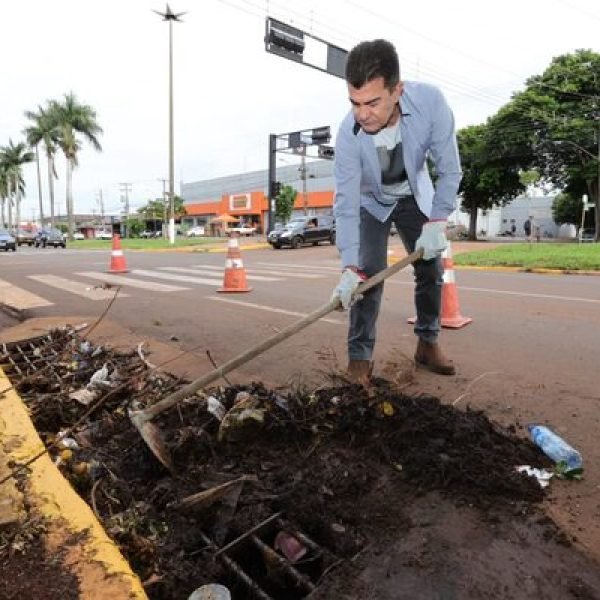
pixel 432 239
pixel 349 281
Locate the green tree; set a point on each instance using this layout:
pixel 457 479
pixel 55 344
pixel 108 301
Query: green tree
pixel 4 186
pixel 135 226
pixel 43 129
pixel 567 209
pixel 72 118
pixel 489 178
pixel 284 203
pixel 558 114
pixel 159 209
pixel 13 157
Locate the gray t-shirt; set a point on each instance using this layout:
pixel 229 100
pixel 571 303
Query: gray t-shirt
pixel 388 143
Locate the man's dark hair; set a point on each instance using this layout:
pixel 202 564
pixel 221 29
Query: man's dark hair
pixel 370 60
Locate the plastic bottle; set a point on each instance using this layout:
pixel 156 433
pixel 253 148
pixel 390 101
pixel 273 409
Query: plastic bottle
pixel 556 448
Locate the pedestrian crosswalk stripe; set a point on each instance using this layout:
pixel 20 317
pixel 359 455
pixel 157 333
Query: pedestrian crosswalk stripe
pixel 76 287
pixel 251 270
pixel 129 282
pixel 209 272
pixel 172 277
pixel 272 309
pixel 20 299
pixel 277 265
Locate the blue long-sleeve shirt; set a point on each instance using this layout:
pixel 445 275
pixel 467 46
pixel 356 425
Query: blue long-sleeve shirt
pixel 427 129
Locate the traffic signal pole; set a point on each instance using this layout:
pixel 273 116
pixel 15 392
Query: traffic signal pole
pixel 271 182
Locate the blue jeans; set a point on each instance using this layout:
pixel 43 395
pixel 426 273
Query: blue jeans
pixel 373 258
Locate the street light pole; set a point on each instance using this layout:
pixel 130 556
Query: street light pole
pixel 170 16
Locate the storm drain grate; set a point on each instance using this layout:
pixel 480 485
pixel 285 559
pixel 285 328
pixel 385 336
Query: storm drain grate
pixel 27 357
pixel 263 570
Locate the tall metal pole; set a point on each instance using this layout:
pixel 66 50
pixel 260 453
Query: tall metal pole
pixel 171 142
pixel 170 16
pixel 271 182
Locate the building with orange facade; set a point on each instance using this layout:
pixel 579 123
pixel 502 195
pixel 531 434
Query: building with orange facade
pixel 223 202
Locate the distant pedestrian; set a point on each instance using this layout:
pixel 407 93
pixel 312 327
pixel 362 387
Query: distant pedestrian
pixel 513 229
pixel 527 228
pixel 538 233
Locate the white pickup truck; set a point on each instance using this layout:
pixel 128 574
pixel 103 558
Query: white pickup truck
pixel 242 230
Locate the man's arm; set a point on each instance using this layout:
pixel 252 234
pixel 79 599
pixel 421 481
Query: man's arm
pixel 444 151
pixel 346 209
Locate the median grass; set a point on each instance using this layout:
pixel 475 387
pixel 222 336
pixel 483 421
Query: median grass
pixel 569 257
pixel 144 244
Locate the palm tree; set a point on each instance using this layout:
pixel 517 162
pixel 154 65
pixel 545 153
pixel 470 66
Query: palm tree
pixel 44 130
pixel 14 156
pixel 72 118
pixel 3 193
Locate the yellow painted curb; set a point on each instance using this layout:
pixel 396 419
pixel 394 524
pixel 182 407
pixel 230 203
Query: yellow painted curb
pixel 51 494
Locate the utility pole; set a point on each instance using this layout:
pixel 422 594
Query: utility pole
pixel 302 170
pixel 125 189
pixel 100 201
pixel 165 198
pixel 170 16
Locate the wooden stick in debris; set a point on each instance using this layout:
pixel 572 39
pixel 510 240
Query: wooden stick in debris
pixel 207 497
pixel 248 533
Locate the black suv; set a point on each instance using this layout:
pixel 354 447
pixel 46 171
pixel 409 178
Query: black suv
pixel 304 230
pixel 50 237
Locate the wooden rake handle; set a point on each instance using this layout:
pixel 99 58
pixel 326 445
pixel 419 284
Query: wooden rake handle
pixel 152 411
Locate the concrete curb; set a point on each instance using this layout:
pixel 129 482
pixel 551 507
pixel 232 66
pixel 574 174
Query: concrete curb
pixel 98 564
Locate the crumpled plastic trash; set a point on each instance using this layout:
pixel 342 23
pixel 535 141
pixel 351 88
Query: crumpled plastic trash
pixel 84 396
pixel 289 546
pixel 215 408
pixel 543 476
pixel 99 379
pixel 242 421
pixel 212 591
pixel 85 347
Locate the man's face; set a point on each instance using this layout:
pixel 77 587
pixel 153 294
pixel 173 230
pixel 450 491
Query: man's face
pixel 373 104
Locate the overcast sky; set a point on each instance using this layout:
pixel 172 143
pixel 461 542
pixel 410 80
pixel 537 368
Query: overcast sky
pixel 230 94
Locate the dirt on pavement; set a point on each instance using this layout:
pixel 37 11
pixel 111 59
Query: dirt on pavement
pixel 402 495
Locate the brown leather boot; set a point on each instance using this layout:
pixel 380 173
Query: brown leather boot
pixel 430 357
pixel 359 371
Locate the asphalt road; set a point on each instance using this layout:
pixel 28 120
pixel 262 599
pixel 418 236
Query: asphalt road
pixel 539 327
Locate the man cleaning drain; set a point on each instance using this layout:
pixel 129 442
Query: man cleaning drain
pixel 382 177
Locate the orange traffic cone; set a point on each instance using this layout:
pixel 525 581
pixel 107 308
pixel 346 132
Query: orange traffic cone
pixel 450 317
pixel 117 260
pixel 235 274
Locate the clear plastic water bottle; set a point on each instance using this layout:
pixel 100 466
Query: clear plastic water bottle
pixel 556 448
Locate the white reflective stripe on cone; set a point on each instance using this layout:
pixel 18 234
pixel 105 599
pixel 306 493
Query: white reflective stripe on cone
pixel 234 263
pixel 448 277
pixel 117 252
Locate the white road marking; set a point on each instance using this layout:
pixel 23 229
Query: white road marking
pixel 20 299
pixel 182 278
pixel 76 287
pixel 129 282
pixel 209 272
pixel 264 271
pixel 297 266
pixel 511 293
pixel 272 309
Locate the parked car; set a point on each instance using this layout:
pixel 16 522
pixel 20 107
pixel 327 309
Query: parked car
pixel 195 231
pixel 586 235
pixel 151 234
pixel 7 241
pixel 25 237
pixel 103 235
pixel 241 230
pixel 304 230
pixel 50 237
pixel 77 235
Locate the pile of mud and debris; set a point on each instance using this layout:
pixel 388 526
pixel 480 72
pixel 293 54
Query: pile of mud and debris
pixel 271 491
